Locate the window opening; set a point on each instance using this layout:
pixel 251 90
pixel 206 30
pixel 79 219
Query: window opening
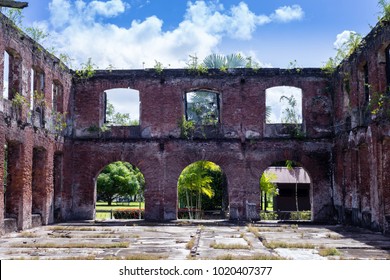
pixel 122 107
pixel 120 184
pixel 32 89
pixel 283 105
pixel 202 107
pixel 56 97
pixel 6 76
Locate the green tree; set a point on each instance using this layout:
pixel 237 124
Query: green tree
pixel 268 189
pixel 202 107
pixel 194 182
pixel 116 118
pixel 119 179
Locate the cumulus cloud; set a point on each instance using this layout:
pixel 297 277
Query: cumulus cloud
pixel 288 13
pixel 342 38
pixel 79 29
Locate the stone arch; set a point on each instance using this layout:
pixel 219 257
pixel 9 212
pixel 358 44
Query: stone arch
pixel 316 165
pixel 210 207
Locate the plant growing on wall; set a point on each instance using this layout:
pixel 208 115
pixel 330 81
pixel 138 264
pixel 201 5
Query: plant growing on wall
pixel 19 101
pixel 385 13
pixel 194 66
pixel 59 122
pixel 87 70
pixel 342 52
pixel 187 128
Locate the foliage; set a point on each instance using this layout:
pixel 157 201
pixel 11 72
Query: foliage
pixel 195 182
pixel 119 179
pixel 116 118
pixel 39 98
pixel 59 122
pixel 36 34
pixel 222 62
pixel 342 52
pixel 129 214
pixel 194 66
pixel 268 215
pixel 19 101
pixel 268 189
pixel 385 13
pixel 87 70
pixel 293 65
pixel 379 105
pixel 291 116
pixel 15 16
pixel 300 215
pixel 158 67
pixel 65 60
pixel 202 107
pixel 187 128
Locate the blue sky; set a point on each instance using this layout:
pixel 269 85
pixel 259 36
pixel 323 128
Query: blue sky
pixel 136 33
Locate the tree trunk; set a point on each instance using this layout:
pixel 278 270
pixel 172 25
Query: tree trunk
pixel 296 193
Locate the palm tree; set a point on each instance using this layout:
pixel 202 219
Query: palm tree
pixel 194 182
pixel 217 61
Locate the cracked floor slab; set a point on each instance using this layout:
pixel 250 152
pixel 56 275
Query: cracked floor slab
pixel 193 240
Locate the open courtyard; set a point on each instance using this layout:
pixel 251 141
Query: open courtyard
pixel 181 240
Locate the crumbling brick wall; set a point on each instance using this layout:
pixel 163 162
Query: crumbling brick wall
pixel 28 136
pixel 361 133
pixel 241 144
pixel 344 147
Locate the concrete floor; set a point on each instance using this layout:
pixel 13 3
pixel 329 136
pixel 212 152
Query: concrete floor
pixel 182 240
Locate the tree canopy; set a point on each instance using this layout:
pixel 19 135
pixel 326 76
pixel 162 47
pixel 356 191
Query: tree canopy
pixel 199 181
pixel 119 179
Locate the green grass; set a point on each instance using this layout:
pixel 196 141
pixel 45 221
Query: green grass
pixel 73 245
pixel 115 206
pixel 237 246
pixel 324 252
pixel 281 244
pixel 254 257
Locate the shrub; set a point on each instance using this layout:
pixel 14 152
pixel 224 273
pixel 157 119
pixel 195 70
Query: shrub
pixel 269 215
pixel 128 213
pixel 301 215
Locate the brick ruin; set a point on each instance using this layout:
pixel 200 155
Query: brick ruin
pixel 48 174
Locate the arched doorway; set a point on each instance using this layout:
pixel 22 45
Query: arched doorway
pixel 202 192
pixel 120 192
pixel 286 192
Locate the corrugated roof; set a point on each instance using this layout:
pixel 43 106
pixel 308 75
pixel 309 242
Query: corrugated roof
pixel 284 175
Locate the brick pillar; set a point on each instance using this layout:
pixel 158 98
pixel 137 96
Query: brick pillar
pixel 18 194
pixel 2 167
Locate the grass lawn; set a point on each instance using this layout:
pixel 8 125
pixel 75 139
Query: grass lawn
pixel 115 205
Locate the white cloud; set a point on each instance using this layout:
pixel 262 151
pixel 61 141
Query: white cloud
pixel 288 13
pixel 78 28
pixel 108 9
pixel 60 12
pixel 342 38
